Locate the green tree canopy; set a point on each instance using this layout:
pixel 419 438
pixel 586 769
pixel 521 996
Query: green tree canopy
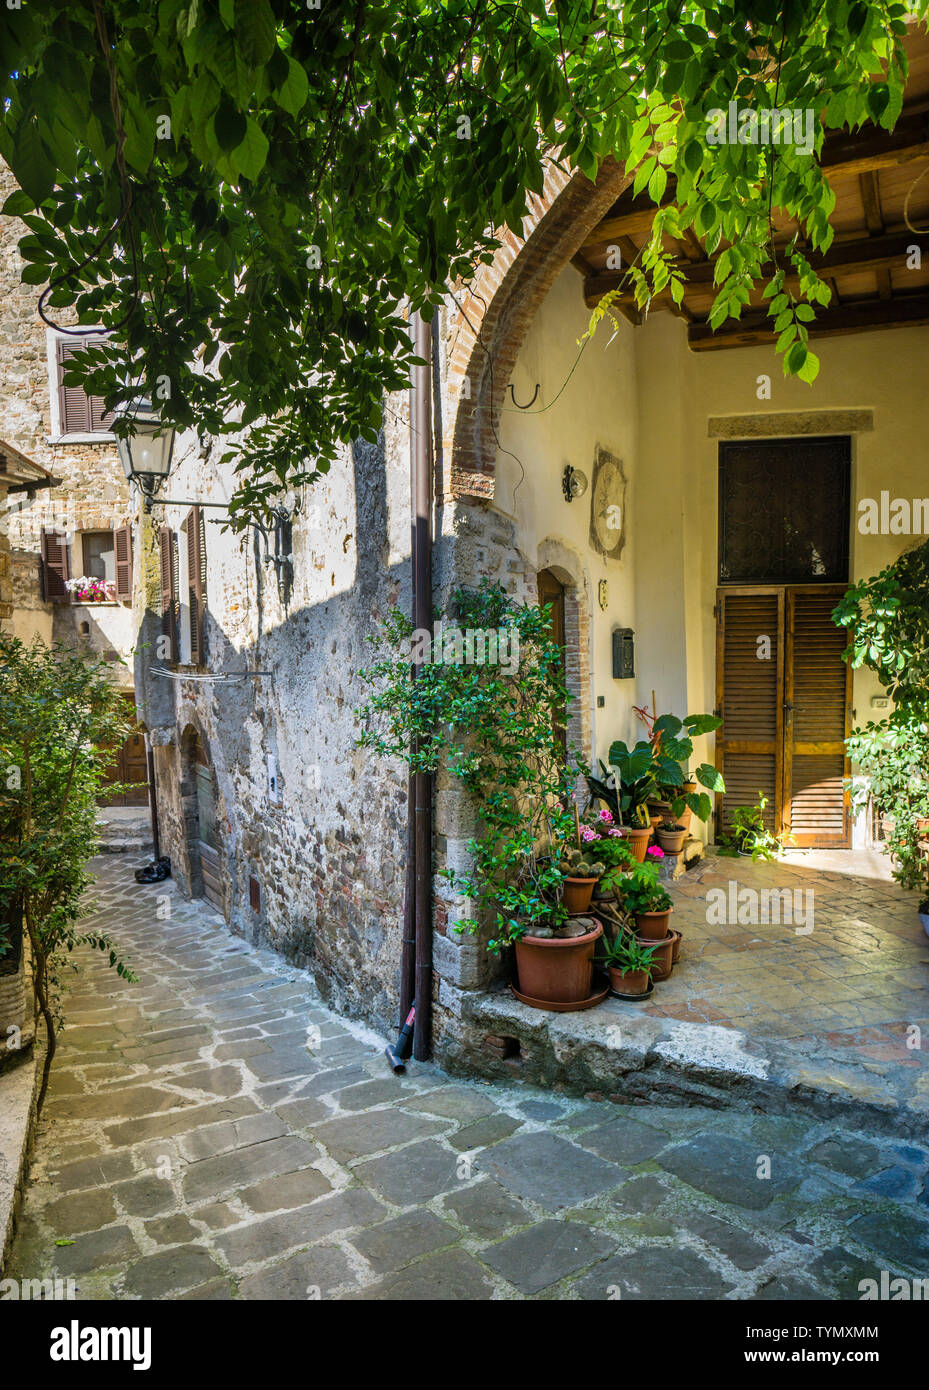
pixel 250 193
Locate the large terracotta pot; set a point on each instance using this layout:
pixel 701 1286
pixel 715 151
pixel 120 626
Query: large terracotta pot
pixel 638 837
pixel 577 894
pixel 662 958
pixel 653 926
pixel 557 969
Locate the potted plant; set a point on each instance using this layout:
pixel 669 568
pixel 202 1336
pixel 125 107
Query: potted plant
pixel 645 900
pixel 580 879
pixel 748 835
pixel 671 740
pixel 627 783
pixel 671 836
pixel 89 589
pixel 629 962
pixel 494 731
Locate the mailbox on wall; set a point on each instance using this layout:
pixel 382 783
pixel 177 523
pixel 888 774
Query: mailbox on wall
pixel 623 653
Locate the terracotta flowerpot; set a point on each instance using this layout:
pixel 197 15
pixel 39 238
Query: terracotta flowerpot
pixel 557 969
pixel 676 952
pixel 671 841
pixel 628 981
pixel 685 817
pixel 663 958
pixel 577 895
pixel 653 926
pixel 638 838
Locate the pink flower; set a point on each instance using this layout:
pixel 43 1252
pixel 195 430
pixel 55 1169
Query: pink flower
pixel 656 852
pixel 606 815
pixel 588 834
pixel 615 830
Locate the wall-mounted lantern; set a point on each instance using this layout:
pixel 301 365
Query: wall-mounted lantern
pixel 573 483
pixel 145 451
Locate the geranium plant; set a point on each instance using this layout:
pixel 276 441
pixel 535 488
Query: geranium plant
pixel 89 589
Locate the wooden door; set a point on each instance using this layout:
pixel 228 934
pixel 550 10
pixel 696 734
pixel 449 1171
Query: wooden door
pixel 551 591
pixel 817 719
pixel 130 764
pixel 208 839
pixel 784 694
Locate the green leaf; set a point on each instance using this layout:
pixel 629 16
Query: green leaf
pixel 230 125
pixel 294 90
pixel 17 203
pixel 657 183
pixel 254 31
pixel 249 157
pixel 810 369
pixel 710 777
pixel 33 167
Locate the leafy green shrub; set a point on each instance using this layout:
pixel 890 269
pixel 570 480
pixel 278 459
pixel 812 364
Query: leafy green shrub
pixel 495 732
pixel 748 834
pixel 58 712
pixel 888 620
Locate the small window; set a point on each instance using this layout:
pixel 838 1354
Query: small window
pixel 784 511
pixel 99 556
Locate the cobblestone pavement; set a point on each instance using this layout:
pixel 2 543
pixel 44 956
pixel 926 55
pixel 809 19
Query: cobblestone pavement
pixel 214 1132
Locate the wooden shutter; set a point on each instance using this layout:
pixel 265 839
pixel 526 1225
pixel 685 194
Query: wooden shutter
pixel 817 697
pixel 195 586
pixel 122 544
pixel 168 542
pixel 73 402
pixel 56 567
pixel 749 745
pixel 80 413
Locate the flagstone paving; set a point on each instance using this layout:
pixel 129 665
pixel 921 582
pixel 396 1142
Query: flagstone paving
pixel 852 972
pixel 214 1132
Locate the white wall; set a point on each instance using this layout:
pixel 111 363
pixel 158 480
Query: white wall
pixel 648 398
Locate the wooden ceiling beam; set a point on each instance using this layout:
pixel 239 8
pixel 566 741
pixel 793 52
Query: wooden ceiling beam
pixel 862 151
pixel 902 311
pixel 876 253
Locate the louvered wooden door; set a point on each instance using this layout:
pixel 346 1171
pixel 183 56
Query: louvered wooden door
pixel 749 699
pixel 783 692
pixel 817 718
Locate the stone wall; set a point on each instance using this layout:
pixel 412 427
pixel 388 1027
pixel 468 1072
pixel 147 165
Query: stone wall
pixel 326 850
pixel 93 493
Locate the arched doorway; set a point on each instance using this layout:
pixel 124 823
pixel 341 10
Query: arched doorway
pixel 552 592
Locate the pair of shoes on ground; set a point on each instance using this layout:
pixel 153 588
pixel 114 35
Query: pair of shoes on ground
pixel 155 872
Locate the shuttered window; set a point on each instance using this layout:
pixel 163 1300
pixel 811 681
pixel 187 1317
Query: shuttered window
pixel 784 511
pixel 78 412
pixel 196 583
pixel 56 567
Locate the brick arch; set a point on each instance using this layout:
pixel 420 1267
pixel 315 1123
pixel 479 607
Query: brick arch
pixel 491 315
